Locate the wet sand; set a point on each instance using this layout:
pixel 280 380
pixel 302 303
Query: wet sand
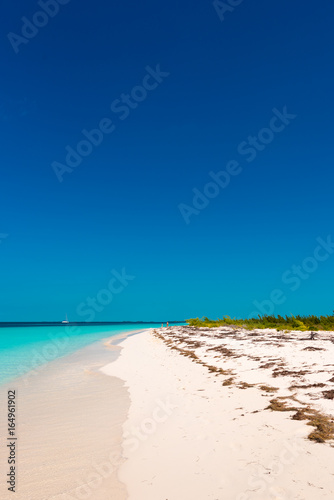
pixel 69 428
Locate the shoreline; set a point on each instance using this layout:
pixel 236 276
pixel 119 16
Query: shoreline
pixel 189 435
pixel 173 413
pixel 69 427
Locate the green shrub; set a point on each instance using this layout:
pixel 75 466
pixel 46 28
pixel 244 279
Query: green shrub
pixel 280 323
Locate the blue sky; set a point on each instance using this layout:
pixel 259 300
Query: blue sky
pixel 120 207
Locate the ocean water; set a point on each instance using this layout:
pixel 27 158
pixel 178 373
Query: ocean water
pixel 25 348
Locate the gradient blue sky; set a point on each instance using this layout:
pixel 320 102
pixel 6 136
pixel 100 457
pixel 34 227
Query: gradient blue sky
pixel 119 207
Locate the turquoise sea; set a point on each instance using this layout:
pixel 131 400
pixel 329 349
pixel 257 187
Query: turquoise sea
pixel 25 348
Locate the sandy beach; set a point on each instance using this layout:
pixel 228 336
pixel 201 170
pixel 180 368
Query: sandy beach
pixel 179 413
pixel 199 426
pixel 69 428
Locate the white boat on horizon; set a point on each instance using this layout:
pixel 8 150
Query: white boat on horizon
pixel 65 320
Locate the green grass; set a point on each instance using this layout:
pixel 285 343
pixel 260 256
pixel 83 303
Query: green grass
pixel 280 323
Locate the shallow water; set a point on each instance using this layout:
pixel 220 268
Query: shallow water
pixel 25 348
pixel 69 418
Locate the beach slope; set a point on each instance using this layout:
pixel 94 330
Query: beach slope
pixel 192 433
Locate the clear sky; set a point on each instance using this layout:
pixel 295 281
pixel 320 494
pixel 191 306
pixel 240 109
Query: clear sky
pixel 184 94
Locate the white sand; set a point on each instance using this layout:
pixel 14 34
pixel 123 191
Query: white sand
pixel 188 437
pixel 289 361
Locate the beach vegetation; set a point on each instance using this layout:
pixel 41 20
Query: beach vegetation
pixel 228 381
pixel 268 388
pixel 324 424
pixel 280 405
pixel 245 385
pixel 280 323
